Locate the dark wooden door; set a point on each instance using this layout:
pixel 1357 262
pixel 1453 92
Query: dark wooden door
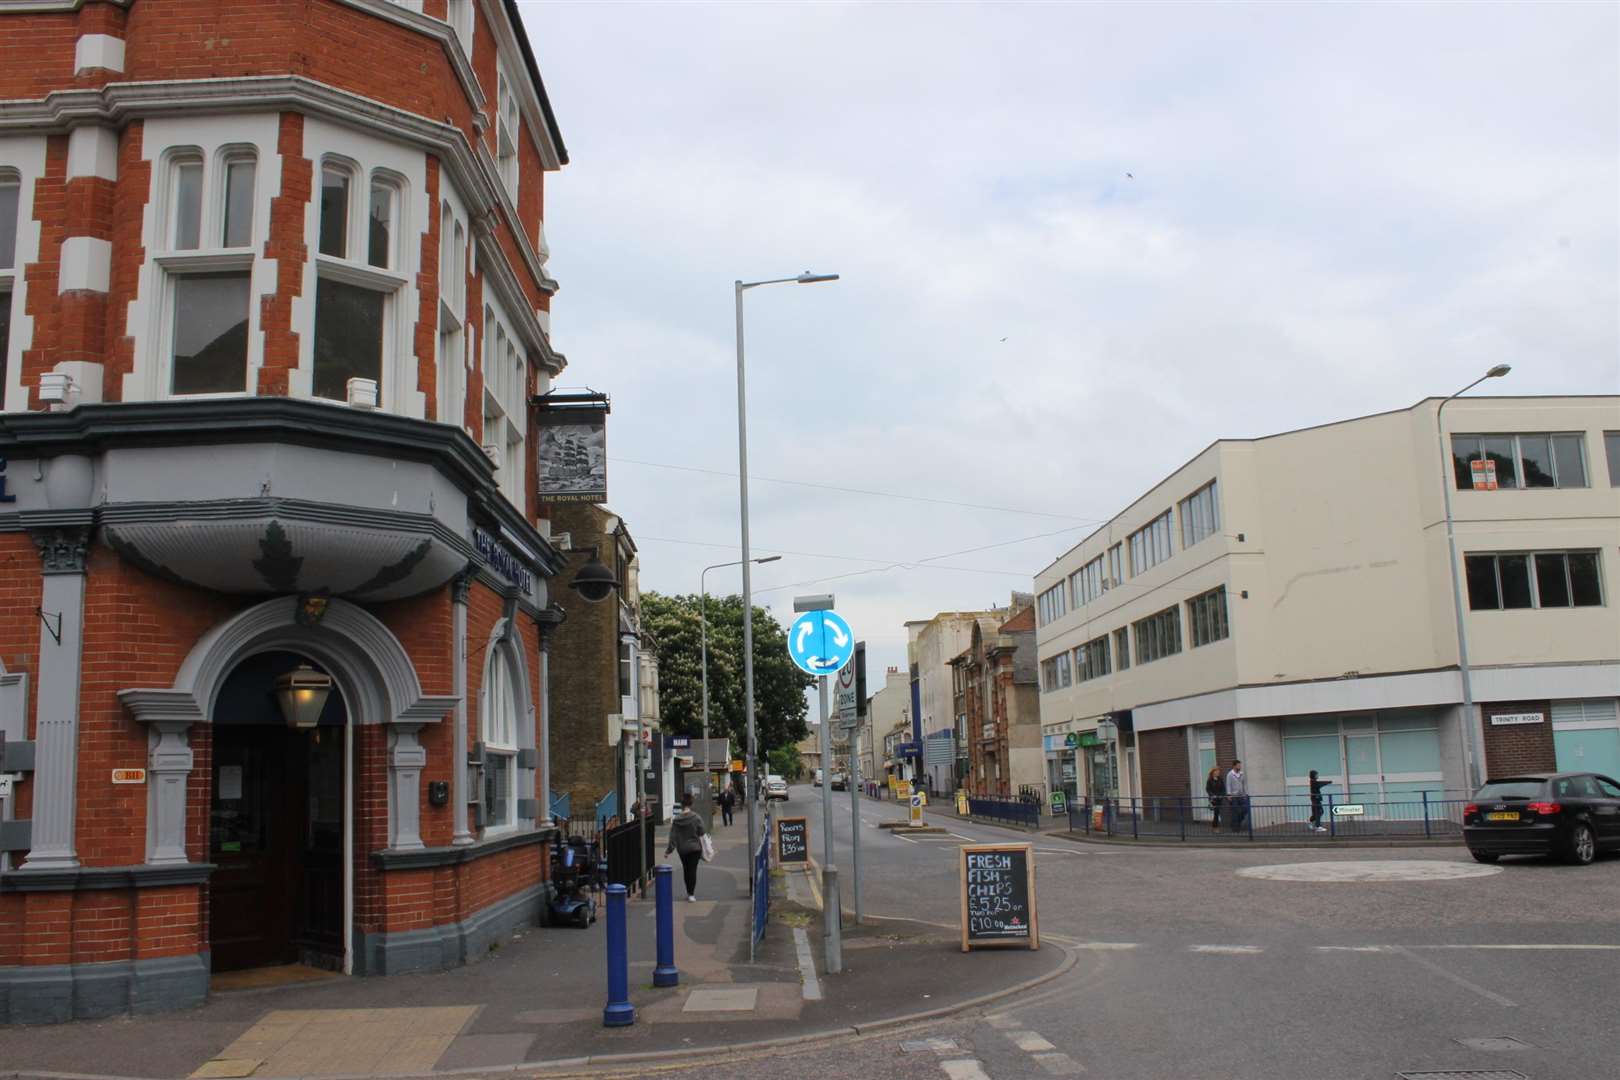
pixel 254 845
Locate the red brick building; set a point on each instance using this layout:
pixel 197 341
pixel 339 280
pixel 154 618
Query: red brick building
pixel 274 578
pixel 997 687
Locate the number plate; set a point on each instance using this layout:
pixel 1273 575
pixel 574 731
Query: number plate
pixel 1510 815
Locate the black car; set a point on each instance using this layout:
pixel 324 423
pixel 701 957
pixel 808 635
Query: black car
pixel 1572 815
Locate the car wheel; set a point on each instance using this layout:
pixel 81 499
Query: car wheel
pixel 1484 856
pixel 1582 847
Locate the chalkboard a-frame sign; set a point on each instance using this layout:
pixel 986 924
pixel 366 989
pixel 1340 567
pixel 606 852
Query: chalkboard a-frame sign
pixel 792 840
pixel 998 896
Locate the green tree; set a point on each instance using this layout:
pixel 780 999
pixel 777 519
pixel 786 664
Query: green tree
pixel 784 762
pixel 780 709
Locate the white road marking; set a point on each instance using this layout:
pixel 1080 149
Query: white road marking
pixel 1353 948
pixel 1365 870
pixel 1458 979
pixel 1528 948
pixel 964 1069
pixel 807 965
pixel 1029 1042
pixel 1228 950
pixel 1059 1064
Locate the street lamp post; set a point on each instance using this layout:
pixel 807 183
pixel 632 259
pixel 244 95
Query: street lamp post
pixel 751 784
pixel 703 624
pixel 1475 773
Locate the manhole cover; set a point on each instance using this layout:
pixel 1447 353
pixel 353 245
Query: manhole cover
pixel 1464 1074
pixel 929 1046
pixel 1497 1042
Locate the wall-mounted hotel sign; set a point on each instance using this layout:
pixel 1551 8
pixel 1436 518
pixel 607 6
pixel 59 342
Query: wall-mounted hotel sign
pixel 571 452
pixel 502 561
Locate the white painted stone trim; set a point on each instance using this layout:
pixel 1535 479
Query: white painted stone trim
pixel 470 168
pixel 86 265
pixel 93 51
pixel 25 158
pixel 1413 690
pixel 92 152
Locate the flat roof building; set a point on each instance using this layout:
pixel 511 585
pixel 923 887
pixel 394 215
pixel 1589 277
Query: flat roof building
pixel 1287 601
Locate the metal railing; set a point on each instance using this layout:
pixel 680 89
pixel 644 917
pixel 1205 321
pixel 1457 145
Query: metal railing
pixel 1422 815
pixel 621 848
pixel 1024 813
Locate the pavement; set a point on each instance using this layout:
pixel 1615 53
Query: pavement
pixel 537 1000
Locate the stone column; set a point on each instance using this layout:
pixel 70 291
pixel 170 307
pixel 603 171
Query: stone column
pixel 406 759
pixel 459 588
pixel 542 735
pixel 169 762
pixel 57 709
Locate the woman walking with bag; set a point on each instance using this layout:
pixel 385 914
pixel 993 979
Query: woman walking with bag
pixel 1215 788
pixel 686 837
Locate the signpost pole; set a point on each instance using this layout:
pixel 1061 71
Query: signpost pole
pixel 853 780
pixel 829 872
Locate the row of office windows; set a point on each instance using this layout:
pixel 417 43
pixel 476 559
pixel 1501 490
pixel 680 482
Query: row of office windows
pixel 1502 581
pixel 1531 460
pixel 1156 636
pixel 1152 544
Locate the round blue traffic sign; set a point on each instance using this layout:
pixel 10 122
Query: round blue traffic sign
pixel 820 642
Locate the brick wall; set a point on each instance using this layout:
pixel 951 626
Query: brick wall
pixel 584 659
pixel 1518 748
pixel 1162 760
pixel 1225 744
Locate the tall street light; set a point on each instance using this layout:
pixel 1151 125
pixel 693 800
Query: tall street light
pixel 1475 773
pixel 703 623
pixel 749 792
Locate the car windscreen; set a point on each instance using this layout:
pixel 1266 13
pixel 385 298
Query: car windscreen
pixel 1510 789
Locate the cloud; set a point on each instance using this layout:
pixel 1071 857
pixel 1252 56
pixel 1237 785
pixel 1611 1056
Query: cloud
pixel 1334 210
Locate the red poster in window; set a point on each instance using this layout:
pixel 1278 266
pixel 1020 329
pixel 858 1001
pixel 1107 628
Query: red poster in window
pixel 1484 475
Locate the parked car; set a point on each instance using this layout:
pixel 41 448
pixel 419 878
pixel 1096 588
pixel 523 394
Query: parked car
pixel 776 788
pixel 1571 815
pixel 840 781
pixel 818 778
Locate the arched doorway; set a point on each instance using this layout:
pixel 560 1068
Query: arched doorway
pixel 276 823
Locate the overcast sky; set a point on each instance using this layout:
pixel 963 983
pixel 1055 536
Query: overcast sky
pixel 1078 243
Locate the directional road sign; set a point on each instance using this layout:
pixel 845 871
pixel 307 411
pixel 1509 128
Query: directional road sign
pixel 820 642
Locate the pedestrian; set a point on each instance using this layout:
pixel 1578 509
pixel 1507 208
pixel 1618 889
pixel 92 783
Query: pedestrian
pixel 1316 802
pixel 1215 788
pixel 727 801
pixel 1237 797
pixel 686 840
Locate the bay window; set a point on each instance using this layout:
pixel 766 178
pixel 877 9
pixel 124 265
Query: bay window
pixel 358 279
pixel 206 231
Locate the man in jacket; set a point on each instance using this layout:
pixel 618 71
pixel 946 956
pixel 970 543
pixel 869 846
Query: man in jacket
pixel 1237 797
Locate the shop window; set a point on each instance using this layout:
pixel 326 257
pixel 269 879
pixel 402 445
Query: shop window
pixel 206 270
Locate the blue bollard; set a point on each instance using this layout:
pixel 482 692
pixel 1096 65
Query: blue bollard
pixel 619 1012
pixel 666 974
